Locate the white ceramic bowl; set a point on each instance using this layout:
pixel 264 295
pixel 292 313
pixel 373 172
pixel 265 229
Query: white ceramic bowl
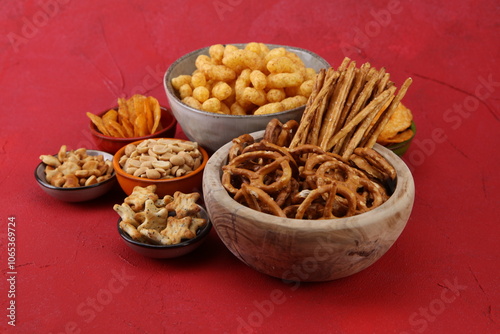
pixel 212 130
pixel 80 194
pixel 307 250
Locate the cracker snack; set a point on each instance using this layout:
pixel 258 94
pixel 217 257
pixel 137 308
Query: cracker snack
pixel 160 221
pixel 71 169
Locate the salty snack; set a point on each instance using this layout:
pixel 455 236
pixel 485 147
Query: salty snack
pixel 398 127
pixel 161 221
pixel 305 182
pixel 253 80
pixel 136 117
pixel 349 107
pixel 161 158
pixel 71 169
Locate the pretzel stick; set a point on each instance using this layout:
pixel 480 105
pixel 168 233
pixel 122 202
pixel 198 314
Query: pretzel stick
pixel 310 111
pixel 360 131
pixel 347 114
pixel 359 117
pixel 359 104
pixel 371 137
pixel 318 117
pixel 336 105
pixel 314 133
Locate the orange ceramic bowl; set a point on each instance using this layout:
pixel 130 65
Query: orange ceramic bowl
pixel 113 144
pixel 188 183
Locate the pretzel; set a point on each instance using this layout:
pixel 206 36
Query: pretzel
pixel 239 145
pixel 368 194
pixel 265 145
pixel 331 190
pixel 260 175
pixel 376 166
pixel 325 185
pixel 279 133
pixel 259 200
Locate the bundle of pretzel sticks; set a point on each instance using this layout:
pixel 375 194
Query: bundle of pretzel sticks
pixel 325 166
pixel 348 108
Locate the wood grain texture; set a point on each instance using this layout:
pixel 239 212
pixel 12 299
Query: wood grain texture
pixel 307 250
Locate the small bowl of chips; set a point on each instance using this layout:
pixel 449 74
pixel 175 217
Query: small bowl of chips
pixel 255 83
pixel 162 227
pixel 136 118
pixel 401 147
pixel 76 176
pixel 168 163
pixel 399 131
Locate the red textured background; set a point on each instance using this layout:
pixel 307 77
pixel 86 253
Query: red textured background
pixel 61 58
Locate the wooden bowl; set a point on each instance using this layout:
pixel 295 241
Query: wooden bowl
pixel 307 250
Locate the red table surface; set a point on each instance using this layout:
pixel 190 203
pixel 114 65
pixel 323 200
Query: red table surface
pixel 73 274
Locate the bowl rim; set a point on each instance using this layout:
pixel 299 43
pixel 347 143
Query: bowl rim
pixel 120 172
pixel 43 181
pixel 204 50
pixel 95 132
pixel 200 234
pixel 357 221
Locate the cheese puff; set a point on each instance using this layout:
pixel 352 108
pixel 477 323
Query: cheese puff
pixel 201 93
pixel 256 96
pixel 281 80
pixel 198 79
pixel 258 79
pixel 274 53
pixel 211 105
pixel 180 80
pixel 192 102
pixel 275 95
pixel 306 88
pixel 293 102
pixel 216 53
pixel 221 90
pixel 269 108
pixel 185 90
pixel 240 59
pixel 237 109
pixel 281 65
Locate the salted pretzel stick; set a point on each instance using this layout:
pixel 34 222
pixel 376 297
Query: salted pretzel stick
pixel 371 138
pixel 362 128
pixel 372 77
pixel 336 105
pixel 310 111
pixel 312 136
pixel 359 117
pixel 359 78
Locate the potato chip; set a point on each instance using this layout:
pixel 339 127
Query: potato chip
pixel 398 138
pixel 155 106
pixel 135 117
pixel 399 122
pixel 98 123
